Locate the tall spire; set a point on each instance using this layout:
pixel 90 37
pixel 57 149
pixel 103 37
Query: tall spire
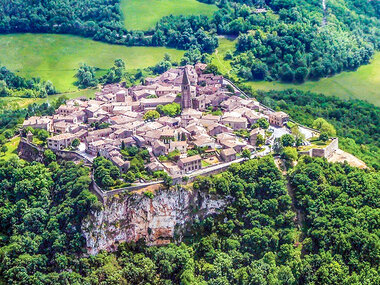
pixel 185 78
pixel 186 101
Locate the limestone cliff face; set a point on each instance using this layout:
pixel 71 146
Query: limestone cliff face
pixel 157 220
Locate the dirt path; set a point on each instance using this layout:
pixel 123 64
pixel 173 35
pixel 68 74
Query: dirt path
pixel 300 216
pixel 324 20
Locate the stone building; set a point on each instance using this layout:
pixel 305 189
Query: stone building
pixel 61 141
pixel 278 118
pixel 253 135
pixel 190 163
pixel 186 100
pixel 228 154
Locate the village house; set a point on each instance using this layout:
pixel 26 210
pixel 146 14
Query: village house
pixel 236 123
pixel 159 148
pixel 217 128
pixel 169 121
pixel 44 123
pixel 253 135
pixel 65 110
pixel 278 118
pixel 154 166
pixel 181 146
pixel 61 141
pixel 228 154
pixel 123 165
pixel 189 164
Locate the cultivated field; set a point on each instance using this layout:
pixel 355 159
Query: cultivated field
pixel 56 57
pixel 144 14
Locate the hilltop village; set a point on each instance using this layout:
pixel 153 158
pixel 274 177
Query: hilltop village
pixel 200 119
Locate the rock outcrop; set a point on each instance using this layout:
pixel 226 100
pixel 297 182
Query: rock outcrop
pixel 157 220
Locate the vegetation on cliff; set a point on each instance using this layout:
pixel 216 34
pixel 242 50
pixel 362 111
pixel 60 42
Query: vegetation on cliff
pixel 255 241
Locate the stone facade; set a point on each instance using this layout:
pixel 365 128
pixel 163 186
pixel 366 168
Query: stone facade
pixel 328 151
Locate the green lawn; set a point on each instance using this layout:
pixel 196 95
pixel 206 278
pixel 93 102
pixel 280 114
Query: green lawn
pixel 12 148
pixel 56 57
pixel 225 44
pixel 361 84
pixel 144 14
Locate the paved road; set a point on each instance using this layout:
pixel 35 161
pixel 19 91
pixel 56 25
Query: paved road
pixel 81 151
pixel 213 168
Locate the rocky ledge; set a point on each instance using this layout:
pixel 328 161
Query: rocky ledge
pixel 157 219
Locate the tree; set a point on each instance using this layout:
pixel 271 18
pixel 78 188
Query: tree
pixel 75 143
pixel 289 153
pixel 86 76
pixel 301 74
pixel 4 149
pixel 260 140
pixel 287 140
pixel 324 137
pixel 299 136
pixel 8 133
pixel 129 177
pixel 259 71
pixel 286 73
pixel 325 127
pixel 172 110
pixel 211 68
pixel 277 146
pixel 162 66
pixel 246 153
pixel 168 180
pixel 151 115
pixel 263 123
pixel 114 172
pixel 49 156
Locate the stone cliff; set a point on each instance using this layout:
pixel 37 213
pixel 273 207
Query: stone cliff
pixel 157 220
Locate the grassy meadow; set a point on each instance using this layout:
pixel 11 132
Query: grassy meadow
pixel 225 44
pixel 12 148
pixel 144 14
pixel 56 57
pixel 362 84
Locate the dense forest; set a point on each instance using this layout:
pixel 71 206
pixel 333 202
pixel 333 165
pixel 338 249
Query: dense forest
pixel 286 40
pixel 297 41
pixel 41 209
pixel 341 206
pixel 255 241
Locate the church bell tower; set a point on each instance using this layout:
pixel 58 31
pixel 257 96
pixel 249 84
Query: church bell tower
pixel 186 101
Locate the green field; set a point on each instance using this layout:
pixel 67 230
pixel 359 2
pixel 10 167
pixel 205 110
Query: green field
pixel 12 148
pixel 56 57
pixel 362 84
pixel 225 44
pixel 144 14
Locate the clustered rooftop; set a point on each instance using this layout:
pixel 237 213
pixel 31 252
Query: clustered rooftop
pixel 123 110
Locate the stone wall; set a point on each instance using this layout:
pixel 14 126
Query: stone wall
pixel 32 152
pixel 327 151
pixel 130 217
